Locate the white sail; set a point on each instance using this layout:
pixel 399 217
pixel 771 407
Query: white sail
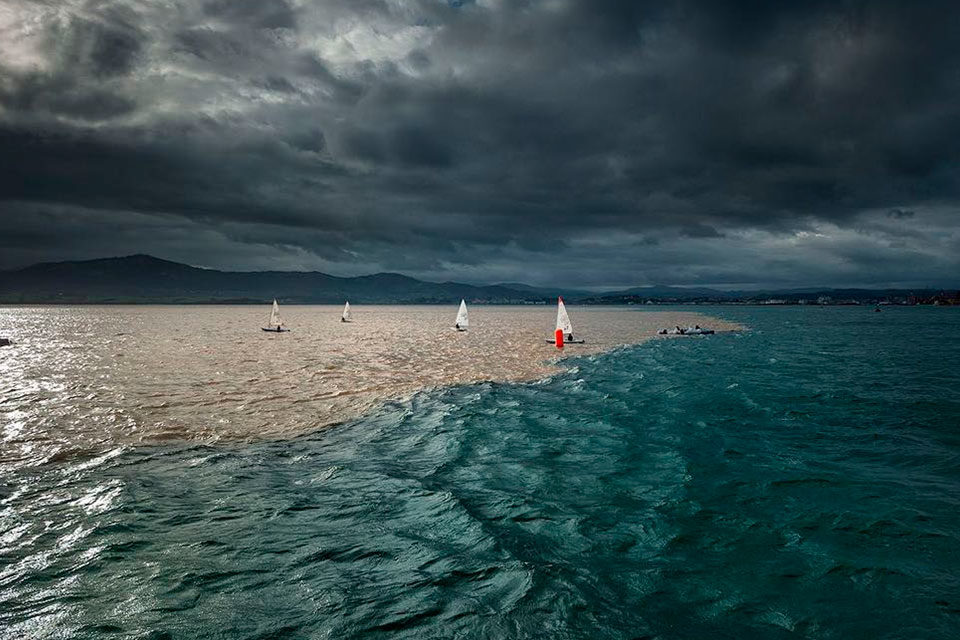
pixel 462 320
pixel 346 313
pixel 275 319
pixel 563 320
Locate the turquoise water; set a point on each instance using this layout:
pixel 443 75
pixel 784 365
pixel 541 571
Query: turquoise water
pixel 798 480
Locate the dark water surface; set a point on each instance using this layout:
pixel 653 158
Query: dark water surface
pixel 798 480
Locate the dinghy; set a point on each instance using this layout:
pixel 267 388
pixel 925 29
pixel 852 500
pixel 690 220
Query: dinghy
pixel 689 331
pixel 697 331
pixel 462 320
pixel 346 317
pixel 276 322
pixel 564 326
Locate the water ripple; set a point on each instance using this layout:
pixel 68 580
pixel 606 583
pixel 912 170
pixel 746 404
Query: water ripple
pixel 763 484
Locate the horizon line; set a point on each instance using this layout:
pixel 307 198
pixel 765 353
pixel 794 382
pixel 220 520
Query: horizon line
pixel 587 290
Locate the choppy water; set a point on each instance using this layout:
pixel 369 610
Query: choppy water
pixel 80 379
pixel 800 479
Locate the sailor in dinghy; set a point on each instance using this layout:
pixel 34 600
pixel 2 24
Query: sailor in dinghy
pixel 276 322
pixel 563 325
pixel 463 321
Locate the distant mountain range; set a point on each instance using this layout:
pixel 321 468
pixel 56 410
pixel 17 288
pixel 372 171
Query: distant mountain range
pixel 145 279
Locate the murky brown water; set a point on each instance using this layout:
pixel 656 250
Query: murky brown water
pixel 93 377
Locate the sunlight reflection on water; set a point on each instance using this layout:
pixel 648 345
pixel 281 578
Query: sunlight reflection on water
pixel 92 377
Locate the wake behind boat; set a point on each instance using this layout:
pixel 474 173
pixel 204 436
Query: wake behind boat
pixel 276 322
pixel 463 321
pixel 564 327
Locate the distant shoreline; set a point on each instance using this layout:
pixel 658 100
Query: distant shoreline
pixel 146 280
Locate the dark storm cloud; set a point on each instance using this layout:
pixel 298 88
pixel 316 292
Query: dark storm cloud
pixel 595 143
pixel 901 213
pixel 258 14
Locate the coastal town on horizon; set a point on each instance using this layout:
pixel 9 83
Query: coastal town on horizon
pixel 146 279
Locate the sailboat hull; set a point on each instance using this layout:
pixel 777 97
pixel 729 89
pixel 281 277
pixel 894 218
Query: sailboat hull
pixel 565 341
pixel 274 330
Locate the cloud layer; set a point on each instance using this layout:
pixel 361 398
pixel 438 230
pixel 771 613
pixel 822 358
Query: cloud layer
pixel 590 143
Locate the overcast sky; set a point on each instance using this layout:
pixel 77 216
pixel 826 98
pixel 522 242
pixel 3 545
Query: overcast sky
pixel 590 143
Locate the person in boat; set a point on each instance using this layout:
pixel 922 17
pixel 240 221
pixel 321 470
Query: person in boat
pixel 342 319
pixel 569 337
pixel 457 326
pixel 697 327
pixel 679 330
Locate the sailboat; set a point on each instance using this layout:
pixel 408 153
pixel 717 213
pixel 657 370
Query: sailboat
pixel 276 322
pixel 462 320
pixel 346 317
pixel 563 324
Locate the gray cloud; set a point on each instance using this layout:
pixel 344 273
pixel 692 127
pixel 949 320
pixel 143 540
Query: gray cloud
pixel 901 213
pixel 590 143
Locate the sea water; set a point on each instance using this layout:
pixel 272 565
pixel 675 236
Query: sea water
pixel 86 378
pixel 797 479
